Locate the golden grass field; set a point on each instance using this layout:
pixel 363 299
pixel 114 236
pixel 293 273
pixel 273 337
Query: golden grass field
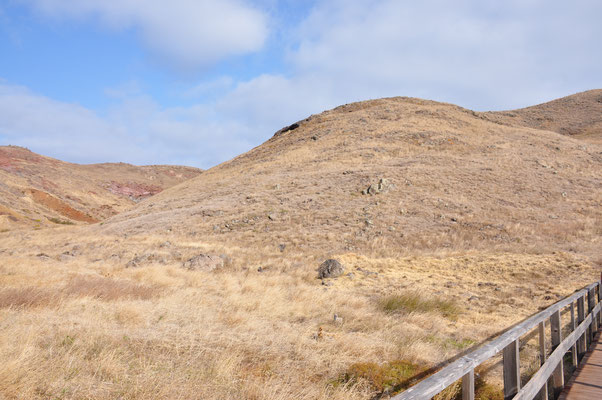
pixel 485 223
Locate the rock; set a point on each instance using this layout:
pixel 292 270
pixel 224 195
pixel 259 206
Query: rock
pixel 337 319
pixel 66 256
pixel 383 186
pixel 330 268
pixel 204 262
pixel 147 258
pixel 272 217
pixel 281 247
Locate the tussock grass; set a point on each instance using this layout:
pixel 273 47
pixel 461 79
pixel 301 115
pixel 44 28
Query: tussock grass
pixel 108 289
pixel 391 376
pixel 26 297
pixel 160 331
pixel 101 288
pixel 414 302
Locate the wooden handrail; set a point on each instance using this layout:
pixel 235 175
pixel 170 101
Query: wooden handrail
pixel 463 367
pixel 540 378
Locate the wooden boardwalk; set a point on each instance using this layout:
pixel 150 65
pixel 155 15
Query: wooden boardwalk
pixel 586 382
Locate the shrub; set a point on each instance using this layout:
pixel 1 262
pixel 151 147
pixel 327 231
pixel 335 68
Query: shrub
pixel 60 221
pixel 392 376
pixel 414 302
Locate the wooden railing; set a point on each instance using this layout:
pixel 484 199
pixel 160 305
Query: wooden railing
pixel 582 333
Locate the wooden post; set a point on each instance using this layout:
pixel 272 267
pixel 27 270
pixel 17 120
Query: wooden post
pixel 573 326
pixel 558 375
pixel 581 343
pixel 590 307
pixel 600 300
pixel 511 360
pixel 468 386
pixel 543 355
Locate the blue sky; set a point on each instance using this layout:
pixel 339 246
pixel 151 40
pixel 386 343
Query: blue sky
pixel 198 82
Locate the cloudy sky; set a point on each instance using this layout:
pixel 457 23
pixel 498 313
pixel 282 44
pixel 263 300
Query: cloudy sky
pixel 197 82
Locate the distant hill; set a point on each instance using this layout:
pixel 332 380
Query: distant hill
pixel 579 116
pixel 401 175
pixel 41 191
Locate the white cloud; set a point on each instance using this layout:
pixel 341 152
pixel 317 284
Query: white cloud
pixel 478 54
pixel 188 33
pixel 135 130
pixel 481 54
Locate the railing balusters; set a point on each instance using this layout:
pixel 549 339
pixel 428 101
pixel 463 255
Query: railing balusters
pixel 468 386
pixel 543 355
pixel 581 343
pixel 558 376
pixel 511 369
pixel 551 366
pixel 590 307
pixel 573 326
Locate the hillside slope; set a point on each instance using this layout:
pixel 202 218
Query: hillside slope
pixel 41 191
pixel 453 179
pixel 451 226
pixel 578 115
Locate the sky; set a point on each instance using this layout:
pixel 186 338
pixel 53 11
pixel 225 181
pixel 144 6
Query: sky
pixel 197 82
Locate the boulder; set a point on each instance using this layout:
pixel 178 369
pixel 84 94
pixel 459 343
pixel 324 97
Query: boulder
pixel 204 262
pixel 330 269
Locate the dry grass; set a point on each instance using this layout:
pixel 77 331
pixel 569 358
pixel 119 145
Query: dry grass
pixel 109 289
pixel 39 191
pixel 459 250
pixel 26 297
pixel 415 302
pixel 95 287
pixel 160 331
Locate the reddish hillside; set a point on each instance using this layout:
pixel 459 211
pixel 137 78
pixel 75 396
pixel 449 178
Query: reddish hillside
pixel 37 190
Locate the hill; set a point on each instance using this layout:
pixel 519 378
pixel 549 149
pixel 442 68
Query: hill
pixel 579 116
pixel 41 191
pixel 450 224
pixel 451 179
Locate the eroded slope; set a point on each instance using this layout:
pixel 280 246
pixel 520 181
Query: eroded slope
pixel 41 191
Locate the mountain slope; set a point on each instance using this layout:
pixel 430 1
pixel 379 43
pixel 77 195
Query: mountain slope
pixel 454 180
pixel 579 115
pixel 41 191
pixel 451 227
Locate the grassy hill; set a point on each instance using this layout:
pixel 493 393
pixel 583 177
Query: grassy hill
pixel 38 191
pixel 451 225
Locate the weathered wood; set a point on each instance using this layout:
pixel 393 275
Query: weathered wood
pixel 573 326
pixel 558 376
pixel 511 361
pixel 454 371
pixel 543 393
pixel 590 307
pixel 468 386
pixel 585 383
pixel 581 345
pixel 530 390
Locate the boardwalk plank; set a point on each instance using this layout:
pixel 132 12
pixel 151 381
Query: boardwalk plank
pixel 586 382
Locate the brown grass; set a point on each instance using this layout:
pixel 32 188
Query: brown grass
pixel 415 302
pixel 463 247
pixel 109 289
pixel 95 287
pixel 26 297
